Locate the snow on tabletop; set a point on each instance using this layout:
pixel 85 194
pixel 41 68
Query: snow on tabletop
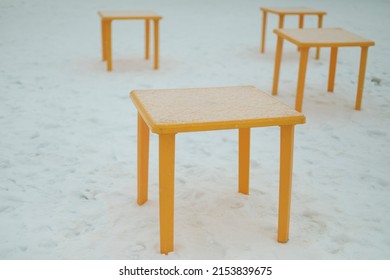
pixel 201 105
pixel 325 36
pixel 128 14
pixel 293 10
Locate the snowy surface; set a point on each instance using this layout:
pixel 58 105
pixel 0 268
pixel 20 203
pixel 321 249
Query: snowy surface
pixel 202 106
pixel 68 135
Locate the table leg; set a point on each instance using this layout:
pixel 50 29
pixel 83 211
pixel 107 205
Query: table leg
pixel 286 167
pixel 278 60
pixel 243 160
pixel 300 24
pixel 301 20
pixel 142 161
pixel 147 38
pixel 362 74
pixel 167 179
pixel 301 78
pixel 104 39
pixel 263 31
pixel 332 68
pixel 108 45
pixel 156 46
pixel 320 17
pixel 281 21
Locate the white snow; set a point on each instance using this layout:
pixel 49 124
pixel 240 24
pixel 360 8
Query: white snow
pixel 68 135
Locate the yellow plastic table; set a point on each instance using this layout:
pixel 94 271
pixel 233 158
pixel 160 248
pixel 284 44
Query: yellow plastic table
pixel 168 112
pixel 324 37
pixel 106 19
pixel 301 12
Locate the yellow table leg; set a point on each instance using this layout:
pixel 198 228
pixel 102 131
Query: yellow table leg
pixel 108 45
pixel 104 39
pixel 301 78
pixel 286 166
pixel 167 178
pixel 300 24
pixel 278 59
pixel 320 17
pixel 142 161
pixel 362 74
pixel 332 68
pixel 147 38
pixel 301 20
pixel 156 43
pixel 281 21
pixel 263 31
pixel 243 160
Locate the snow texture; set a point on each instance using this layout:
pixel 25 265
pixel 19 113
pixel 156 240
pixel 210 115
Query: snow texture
pixel 68 134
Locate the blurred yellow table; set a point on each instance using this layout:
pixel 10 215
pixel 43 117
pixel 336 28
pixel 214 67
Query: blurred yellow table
pixel 324 37
pixel 106 19
pixel 301 12
pixel 168 112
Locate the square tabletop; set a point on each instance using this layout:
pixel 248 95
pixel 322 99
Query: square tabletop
pixel 293 11
pixel 202 109
pixel 129 15
pixel 322 37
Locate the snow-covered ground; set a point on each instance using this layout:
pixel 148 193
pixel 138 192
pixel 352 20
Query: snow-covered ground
pixel 68 135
